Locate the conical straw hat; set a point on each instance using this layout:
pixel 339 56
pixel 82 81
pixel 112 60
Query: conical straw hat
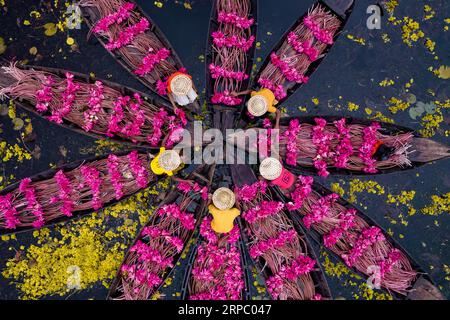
pixel 223 198
pixel 270 168
pixel 181 84
pixel 169 160
pixel 257 105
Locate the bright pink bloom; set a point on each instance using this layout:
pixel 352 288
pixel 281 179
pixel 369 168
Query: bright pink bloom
pixel 207 232
pixel 304 47
pixel 366 149
pixel 181 116
pixel 344 149
pixel 225 98
pixel 122 14
pixel 158 122
pixel 150 60
pixel 161 87
pixel 347 221
pixel 274 286
pixel 248 192
pixel 174 211
pixel 234 19
pixel 322 139
pixel 184 187
pixel 262 210
pixel 320 34
pixel 366 239
pixel 45 95
pixel 301 265
pixel 65 193
pixel 133 129
pixel 115 175
pixel 288 71
pixel 139 171
pixel 32 204
pixel 279 241
pixel 94 104
pixel 8 211
pixel 277 90
pixel 155 232
pixel 320 210
pixel 92 178
pixel 141 276
pixel 176 131
pixel 218 71
pixel 222 268
pixel 148 254
pixel 117 116
pixel 392 259
pixel 126 36
pixel 68 98
pixel 221 40
pixel 291 141
pixel 301 192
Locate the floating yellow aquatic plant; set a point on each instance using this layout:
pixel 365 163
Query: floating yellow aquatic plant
pixel 91 246
pixel 439 205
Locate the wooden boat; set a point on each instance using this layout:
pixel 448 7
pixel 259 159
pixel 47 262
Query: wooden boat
pixel 342 9
pixel 211 55
pixel 151 101
pixel 222 175
pixel 243 175
pixel 187 279
pixel 49 174
pixel 203 175
pixel 423 287
pixel 420 152
pixel 91 15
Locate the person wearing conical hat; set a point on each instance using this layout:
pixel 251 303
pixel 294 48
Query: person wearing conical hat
pixel 223 211
pixel 180 88
pixel 260 102
pixel 272 170
pixel 166 162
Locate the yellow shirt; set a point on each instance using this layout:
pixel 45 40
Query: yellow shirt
pixel 154 165
pixel 222 219
pixel 270 97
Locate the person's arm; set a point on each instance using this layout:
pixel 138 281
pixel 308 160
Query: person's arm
pixel 277 119
pixel 177 179
pixel 174 105
pixel 245 92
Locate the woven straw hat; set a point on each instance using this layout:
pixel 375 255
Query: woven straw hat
pixel 181 84
pixel 169 160
pixel 270 168
pixel 223 198
pixel 257 105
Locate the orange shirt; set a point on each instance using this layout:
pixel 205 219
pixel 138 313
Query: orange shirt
pixel 222 219
pixel 270 97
